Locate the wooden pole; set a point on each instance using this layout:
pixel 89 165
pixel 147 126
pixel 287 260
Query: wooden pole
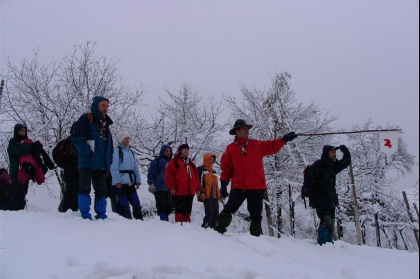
pixel 279 219
pixel 415 209
pixel 268 214
pixel 291 213
pixel 407 205
pixel 356 208
pixel 351 132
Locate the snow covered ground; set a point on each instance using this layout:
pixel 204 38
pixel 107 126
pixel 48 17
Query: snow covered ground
pixel 43 243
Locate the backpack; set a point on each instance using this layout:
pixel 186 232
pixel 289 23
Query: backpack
pixel 310 175
pixel 65 152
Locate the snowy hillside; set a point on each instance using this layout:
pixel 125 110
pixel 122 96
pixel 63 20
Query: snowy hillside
pixel 42 243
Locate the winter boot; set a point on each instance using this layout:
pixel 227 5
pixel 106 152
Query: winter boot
pixel 84 206
pixel 137 213
pixel 223 221
pixel 322 234
pixel 163 216
pixel 255 228
pixel 100 208
pixel 179 217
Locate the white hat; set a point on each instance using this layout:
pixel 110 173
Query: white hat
pixel 121 136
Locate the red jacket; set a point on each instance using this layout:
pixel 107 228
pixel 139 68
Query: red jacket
pixel 246 171
pixel 23 177
pixel 177 176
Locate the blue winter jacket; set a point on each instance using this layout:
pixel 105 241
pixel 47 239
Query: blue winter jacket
pixel 128 163
pixel 156 173
pixel 94 150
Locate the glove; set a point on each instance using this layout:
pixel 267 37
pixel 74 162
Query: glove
pixel 37 145
pixel 152 188
pixel 223 189
pixel 341 148
pixel 289 137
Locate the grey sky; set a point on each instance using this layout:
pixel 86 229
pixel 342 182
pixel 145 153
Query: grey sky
pixel 357 59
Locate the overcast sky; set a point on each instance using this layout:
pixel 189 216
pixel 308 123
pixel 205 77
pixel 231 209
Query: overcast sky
pixel 357 59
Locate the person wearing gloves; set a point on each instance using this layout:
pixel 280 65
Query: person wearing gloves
pixel 325 193
pixel 157 185
pixel 182 180
pixel 126 178
pixel 242 165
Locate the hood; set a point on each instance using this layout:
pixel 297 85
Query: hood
pixel 94 107
pixel 162 150
pixel 206 161
pixel 325 150
pixel 16 129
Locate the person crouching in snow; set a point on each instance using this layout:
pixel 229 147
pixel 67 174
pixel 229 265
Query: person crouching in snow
pixel 242 164
pixel 182 180
pixel 126 177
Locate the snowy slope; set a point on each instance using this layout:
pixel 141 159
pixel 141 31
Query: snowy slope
pixel 42 243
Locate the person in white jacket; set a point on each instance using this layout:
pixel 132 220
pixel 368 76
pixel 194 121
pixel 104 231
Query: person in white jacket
pixel 126 178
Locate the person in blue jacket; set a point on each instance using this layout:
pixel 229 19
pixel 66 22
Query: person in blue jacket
pixel 93 140
pixel 157 185
pixel 126 178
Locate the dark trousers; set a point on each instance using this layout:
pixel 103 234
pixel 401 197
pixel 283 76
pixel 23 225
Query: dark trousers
pixel 17 195
pixel 71 189
pixel 211 209
pixel 254 200
pixel 97 178
pixel 163 202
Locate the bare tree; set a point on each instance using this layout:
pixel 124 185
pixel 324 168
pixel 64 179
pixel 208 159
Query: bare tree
pixel 49 98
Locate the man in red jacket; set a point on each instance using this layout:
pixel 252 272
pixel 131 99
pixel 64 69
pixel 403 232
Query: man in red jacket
pixel 181 177
pixel 242 165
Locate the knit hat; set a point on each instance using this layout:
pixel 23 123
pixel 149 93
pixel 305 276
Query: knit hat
pixel 121 136
pixel 182 146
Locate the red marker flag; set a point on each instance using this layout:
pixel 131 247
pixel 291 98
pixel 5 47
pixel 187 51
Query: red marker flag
pixel 388 142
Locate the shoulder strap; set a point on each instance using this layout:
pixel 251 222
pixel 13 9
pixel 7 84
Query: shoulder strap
pixel 90 118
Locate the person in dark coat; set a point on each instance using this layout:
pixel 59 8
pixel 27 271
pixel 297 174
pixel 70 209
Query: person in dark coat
pixel 5 188
pixel 325 193
pixel 70 178
pixel 93 140
pixel 18 146
pixel 157 184
pixel 242 165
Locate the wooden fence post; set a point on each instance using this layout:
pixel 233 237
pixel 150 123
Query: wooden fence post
pixel 268 214
pixel 356 207
pixel 407 205
pixel 292 212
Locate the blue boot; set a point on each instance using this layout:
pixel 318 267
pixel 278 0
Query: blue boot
pixel 100 208
pixel 163 216
pixel 84 206
pixel 322 234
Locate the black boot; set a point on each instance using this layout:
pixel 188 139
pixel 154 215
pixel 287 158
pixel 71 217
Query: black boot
pixel 255 228
pixel 223 221
pixel 137 213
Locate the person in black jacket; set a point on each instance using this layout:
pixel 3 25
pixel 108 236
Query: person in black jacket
pixel 325 196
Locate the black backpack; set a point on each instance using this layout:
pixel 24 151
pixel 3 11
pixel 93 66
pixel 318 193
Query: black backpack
pixel 64 152
pixel 310 174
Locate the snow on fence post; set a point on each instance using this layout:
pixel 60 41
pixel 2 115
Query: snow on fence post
pixel 291 212
pixel 407 205
pixel 356 207
pixel 268 214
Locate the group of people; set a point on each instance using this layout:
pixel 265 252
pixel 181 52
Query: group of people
pixel 173 179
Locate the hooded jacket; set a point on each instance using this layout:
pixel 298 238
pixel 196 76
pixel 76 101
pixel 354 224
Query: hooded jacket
pixel 17 148
pixel 246 170
pixel 128 163
pixel 157 169
pixel 208 179
pixel 95 150
pixel 182 176
pixel 325 181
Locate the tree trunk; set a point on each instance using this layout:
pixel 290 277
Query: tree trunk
pixel 268 214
